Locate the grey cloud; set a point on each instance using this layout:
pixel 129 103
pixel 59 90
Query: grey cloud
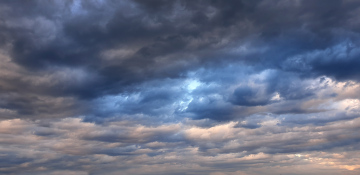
pixel 249 146
pixel 147 43
pixel 247 96
pixel 39 106
pixel 81 46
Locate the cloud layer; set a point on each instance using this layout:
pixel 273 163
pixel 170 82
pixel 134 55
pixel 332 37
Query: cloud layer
pixel 179 87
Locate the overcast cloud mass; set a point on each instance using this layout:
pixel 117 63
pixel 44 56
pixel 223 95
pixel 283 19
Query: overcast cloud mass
pixel 187 87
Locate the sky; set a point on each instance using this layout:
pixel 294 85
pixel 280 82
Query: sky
pixel 183 87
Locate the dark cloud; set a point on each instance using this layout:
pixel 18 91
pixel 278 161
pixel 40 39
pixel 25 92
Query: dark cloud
pixel 31 106
pixel 247 96
pixel 158 31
